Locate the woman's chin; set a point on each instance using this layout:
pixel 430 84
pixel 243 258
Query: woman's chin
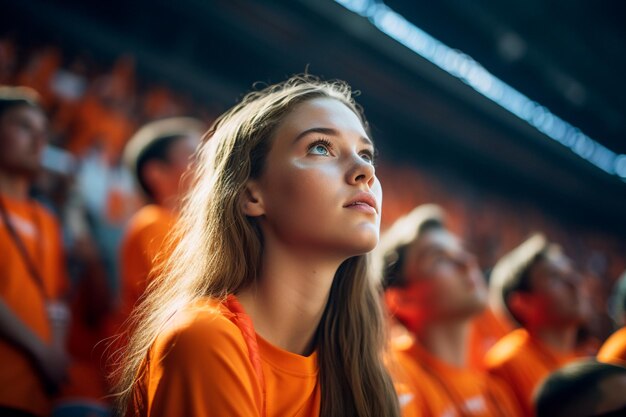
pixel 363 242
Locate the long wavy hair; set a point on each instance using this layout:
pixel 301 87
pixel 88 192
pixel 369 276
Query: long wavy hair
pixel 219 250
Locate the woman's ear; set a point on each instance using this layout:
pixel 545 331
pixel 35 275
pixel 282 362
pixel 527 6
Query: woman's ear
pixel 252 201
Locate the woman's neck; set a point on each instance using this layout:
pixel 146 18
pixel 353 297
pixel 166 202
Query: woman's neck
pixel 287 301
pixel 13 186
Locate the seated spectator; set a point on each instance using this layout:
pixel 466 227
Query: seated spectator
pixel 157 155
pixel 537 284
pixel 434 289
pixel 33 320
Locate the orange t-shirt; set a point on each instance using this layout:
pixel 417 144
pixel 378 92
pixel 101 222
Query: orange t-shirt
pixel 200 366
pixel 523 362
pixel 142 245
pixel 438 389
pixel 485 332
pixel 21 386
pixel 614 349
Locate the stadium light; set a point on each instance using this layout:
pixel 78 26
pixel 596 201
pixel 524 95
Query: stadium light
pixel 465 68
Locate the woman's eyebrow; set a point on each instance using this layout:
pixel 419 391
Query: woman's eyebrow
pixel 330 132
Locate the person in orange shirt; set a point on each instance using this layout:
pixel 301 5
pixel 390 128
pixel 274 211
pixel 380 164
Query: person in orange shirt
pixel 157 155
pixel 537 284
pixel 584 388
pixel 434 289
pixel 614 348
pixel 265 307
pixel 33 359
pixel 486 330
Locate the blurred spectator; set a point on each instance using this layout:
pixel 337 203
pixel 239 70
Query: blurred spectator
pixel 583 389
pixel 538 286
pixel 110 200
pixel 33 318
pixel 159 102
pixel 434 288
pixel 39 72
pixel 158 155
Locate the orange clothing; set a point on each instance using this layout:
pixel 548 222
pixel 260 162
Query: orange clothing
pixel 614 349
pixel 142 245
pixel 39 71
pixel 96 124
pixel 159 102
pixel 442 390
pixel 523 362
pixel 86 343
pixel 201 366
pixel 486 330
pixel 21 386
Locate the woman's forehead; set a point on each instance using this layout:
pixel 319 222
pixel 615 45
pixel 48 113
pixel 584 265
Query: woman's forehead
pixel 324 112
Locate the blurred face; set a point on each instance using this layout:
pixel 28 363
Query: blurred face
pixel 23 131
pixel 178 159
pixel 318 192
pixel 166 177
pixel 555 297
pixel 444 281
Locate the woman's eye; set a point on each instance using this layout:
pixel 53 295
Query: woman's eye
pixel 367 156
pixel 320 148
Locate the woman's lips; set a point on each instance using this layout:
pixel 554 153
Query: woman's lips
pixel 362 207
pixel 364 202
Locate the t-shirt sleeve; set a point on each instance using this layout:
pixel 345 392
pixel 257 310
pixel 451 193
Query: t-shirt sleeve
pixel 203 370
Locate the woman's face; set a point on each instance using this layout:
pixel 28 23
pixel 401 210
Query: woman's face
pixel 318 192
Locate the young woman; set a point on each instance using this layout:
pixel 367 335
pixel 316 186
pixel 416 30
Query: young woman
pixel 265 307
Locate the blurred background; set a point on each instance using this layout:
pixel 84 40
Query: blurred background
pixel 511 115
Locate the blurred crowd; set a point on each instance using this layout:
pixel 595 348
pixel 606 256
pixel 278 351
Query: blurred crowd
pixel 100 188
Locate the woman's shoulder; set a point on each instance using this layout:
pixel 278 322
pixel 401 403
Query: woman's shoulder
pixel 199 365
pixel 201 328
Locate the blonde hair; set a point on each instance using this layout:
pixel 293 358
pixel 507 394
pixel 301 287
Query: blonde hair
pixel 219 252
